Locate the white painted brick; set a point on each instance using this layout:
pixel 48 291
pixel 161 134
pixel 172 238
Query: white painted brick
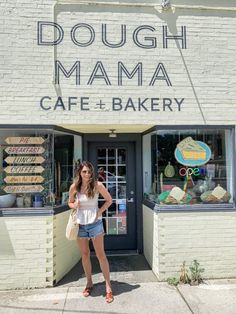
pixel 38 257
pixel 28 69
pixel 66 252
pixel 26 259
pixel 204 236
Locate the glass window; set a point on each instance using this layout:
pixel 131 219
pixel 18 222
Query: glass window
pixel 37 167
pixel 191 166
pixel 67 158
pixel 26 171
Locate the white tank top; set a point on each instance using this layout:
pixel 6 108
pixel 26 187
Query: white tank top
pixel 87 212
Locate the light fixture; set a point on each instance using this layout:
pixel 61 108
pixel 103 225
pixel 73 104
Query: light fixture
pixel 165 4
pixel 112 134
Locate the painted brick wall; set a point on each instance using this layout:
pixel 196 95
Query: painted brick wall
pixel 204 236
pixel 208 237
pixel 203 74
pixel 34 251
pixel 26 252
pixel 148 222
pixel 65 253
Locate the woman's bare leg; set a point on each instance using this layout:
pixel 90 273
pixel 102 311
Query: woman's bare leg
pixel 86 262
pixel 98 243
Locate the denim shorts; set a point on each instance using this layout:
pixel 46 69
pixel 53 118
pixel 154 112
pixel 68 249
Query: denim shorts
pixel 91 230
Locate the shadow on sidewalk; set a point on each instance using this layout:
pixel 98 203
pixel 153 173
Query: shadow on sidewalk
pixel 118 288
pixel 128 269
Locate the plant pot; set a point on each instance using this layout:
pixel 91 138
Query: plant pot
pixel 7 200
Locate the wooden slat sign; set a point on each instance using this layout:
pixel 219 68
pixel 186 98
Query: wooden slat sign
pixel 25 160
pixel 23 188
pixel 24 169
pixel 24 140
pixel 21 150
pixel 24 179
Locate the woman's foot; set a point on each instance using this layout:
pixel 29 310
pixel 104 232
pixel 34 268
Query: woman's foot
pixel 109 297
pixel 87 291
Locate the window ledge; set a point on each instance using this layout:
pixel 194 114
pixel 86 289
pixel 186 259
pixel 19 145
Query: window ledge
pixel 189 208
pixel 32 211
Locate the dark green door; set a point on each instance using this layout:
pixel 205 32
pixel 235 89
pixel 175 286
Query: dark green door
pixel 115 166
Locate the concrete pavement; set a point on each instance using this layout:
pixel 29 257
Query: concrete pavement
pixel 136 290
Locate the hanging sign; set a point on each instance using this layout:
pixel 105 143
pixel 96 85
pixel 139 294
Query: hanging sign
pixel 26 140
pixel 192 153
pixel 24 179
pixel 21 150
pixel 24 169
pixel 23 188
pixel 25 160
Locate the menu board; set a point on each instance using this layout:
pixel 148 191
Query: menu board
pixel 24 140
pixel 24 160
pixel 24 164
pixel 21 150
pixel 23 188
pixel 24 169
pixel 24 179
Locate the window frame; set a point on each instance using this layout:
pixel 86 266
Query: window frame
pixel 201 206
pixel 53 130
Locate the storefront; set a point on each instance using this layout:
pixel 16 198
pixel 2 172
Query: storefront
pixel 144 91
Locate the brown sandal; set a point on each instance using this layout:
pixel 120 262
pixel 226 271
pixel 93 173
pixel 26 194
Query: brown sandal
pixel 109 297
pixel 87 291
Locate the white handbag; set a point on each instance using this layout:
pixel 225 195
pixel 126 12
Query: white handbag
pixel 72 227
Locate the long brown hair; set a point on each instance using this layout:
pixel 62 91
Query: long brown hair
pixel 90 188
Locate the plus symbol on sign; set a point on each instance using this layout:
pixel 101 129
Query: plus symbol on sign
pixel 101 104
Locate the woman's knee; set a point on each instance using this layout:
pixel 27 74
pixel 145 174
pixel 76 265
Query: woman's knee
pixel 101 256
pixel 85 254
pixel 84 246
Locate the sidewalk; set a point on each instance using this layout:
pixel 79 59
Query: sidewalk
pixel 136 291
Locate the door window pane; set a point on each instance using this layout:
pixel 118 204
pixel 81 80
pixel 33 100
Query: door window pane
pixel 111 155
pixel 112 210
pixel 122 191
pixel 112 226
pixel 111 173
pixel 121 156
pixel 121 170
pixel 101 156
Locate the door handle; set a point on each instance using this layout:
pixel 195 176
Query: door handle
pixel 130 200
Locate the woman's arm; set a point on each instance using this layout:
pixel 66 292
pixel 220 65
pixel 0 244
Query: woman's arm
pixel 72 202
pixel 107 197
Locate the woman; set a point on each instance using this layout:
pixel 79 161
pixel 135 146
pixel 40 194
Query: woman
pixel 83 196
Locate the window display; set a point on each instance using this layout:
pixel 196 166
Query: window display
pixel 36 167
pixel 190 166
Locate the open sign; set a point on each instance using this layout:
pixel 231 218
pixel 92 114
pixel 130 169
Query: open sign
pixel 192 171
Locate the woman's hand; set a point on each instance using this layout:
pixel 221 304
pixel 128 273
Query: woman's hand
pixel 76 204
pixel 99 214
